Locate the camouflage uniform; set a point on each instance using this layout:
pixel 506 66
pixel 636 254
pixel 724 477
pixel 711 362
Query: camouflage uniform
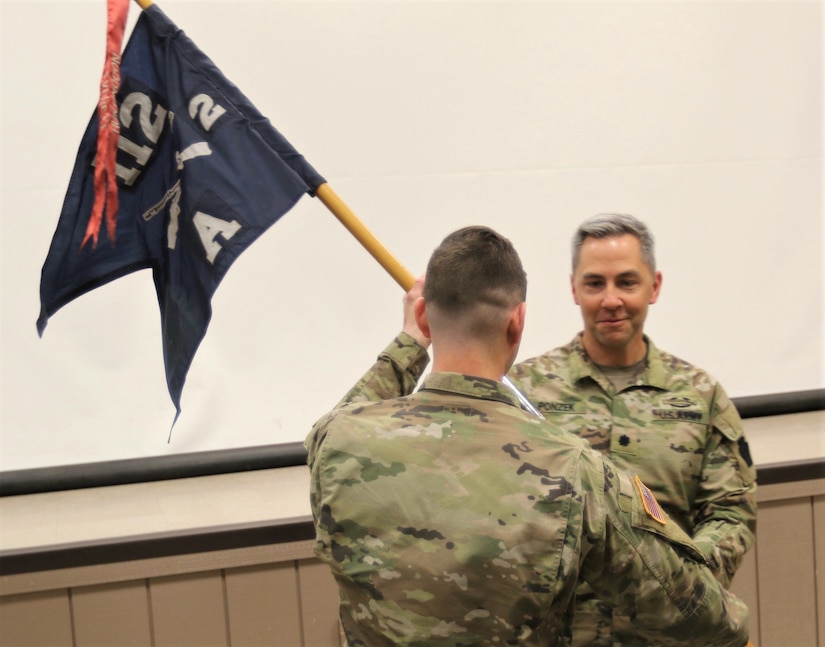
pixel 675 427
pixel 451 517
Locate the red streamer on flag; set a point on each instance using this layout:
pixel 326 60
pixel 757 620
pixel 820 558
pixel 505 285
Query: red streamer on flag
pixel 105 179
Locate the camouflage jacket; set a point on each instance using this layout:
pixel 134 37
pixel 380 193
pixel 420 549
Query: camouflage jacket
pixel 675 427
pixel 451 517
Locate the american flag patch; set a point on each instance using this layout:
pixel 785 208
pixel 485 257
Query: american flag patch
pixel 651 504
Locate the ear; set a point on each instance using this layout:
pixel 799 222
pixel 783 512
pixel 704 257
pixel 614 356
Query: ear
pixel 573 289
pixel 515 324
pixel 421 316
pixel 657 285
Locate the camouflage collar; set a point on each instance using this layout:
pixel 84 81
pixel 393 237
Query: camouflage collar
pixel 581 366
pixel 470 386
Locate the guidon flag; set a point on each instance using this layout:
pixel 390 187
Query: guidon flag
pixel 200 173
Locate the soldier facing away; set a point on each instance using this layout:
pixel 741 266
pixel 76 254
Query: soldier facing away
pixel 452 517
pixel 657 416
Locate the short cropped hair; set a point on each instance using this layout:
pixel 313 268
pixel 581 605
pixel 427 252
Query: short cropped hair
pixel 605 225
pixel 474 265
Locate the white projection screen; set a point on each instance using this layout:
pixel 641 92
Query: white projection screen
pixel 702 118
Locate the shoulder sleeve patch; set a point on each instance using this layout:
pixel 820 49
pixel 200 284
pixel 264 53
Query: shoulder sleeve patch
pixel 745 451
pixel 650 503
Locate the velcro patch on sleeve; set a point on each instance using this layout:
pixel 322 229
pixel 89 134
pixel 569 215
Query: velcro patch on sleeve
pixel 654 511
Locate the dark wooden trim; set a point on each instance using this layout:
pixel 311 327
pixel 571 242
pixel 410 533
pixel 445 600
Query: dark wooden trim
pixel 155 468
pixel 199 540
pixel 158 468
pixel 791 472
pixel 780 404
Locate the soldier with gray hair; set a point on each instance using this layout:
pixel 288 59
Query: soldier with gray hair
pixel 451 516
pixel 657 416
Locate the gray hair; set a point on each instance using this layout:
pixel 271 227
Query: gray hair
pixel 605 225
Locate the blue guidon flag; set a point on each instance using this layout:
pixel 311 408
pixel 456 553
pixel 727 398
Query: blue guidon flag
pixel 200 175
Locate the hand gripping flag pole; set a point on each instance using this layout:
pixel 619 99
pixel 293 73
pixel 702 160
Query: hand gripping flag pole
pixel 402 275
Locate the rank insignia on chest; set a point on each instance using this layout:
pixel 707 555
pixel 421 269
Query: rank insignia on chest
pixel 654 511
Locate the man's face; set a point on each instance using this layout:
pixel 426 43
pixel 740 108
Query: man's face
pixel 614 288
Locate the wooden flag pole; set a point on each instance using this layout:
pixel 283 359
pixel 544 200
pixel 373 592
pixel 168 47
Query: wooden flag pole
pixel 340 210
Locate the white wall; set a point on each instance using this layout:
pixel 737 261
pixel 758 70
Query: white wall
pixel 702 118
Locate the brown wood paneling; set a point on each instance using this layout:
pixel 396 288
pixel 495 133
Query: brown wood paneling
pixel 785 554
pixel 745 586
pixel 262 605
pixel 319 604
pixel 112 614
pixel 260 595
pixel 36 620
pixel 819 564
pixel 189 610
pixel 150 568
pixel 794 490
